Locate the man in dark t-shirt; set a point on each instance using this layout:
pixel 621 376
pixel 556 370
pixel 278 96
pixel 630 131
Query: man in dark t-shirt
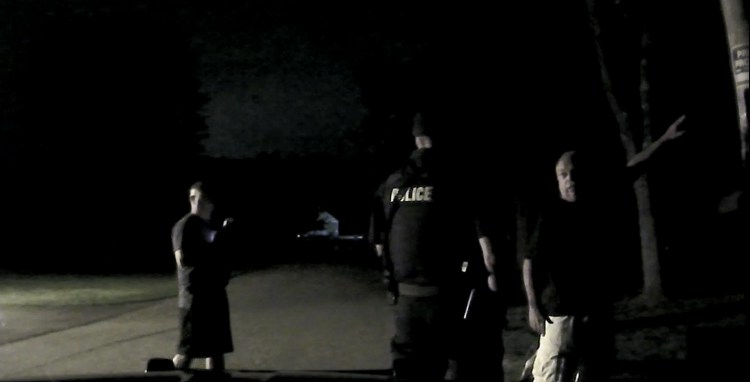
pixel 202 276
pixel 566 275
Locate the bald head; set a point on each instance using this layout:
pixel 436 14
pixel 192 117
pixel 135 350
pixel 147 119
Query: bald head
pixel 565 176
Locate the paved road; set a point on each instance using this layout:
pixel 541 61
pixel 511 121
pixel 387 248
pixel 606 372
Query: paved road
pixel 290 317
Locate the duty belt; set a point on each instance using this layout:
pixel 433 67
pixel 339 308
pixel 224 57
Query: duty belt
pixel 418 290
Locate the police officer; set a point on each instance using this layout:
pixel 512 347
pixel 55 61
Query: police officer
pixel 419 228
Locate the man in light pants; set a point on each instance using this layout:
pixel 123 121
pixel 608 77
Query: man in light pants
pixel 565 272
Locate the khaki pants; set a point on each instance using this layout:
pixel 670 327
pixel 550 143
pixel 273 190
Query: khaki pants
pixel 556 343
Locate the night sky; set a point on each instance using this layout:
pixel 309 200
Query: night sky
pixel 294 77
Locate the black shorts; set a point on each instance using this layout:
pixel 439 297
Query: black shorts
pixel 205 328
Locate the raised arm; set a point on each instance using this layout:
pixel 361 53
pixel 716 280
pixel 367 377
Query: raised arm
pixel 638 161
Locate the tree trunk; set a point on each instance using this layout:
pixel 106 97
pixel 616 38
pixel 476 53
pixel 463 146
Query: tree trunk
pixel 652 285
pixel 620 115
pixel 737 36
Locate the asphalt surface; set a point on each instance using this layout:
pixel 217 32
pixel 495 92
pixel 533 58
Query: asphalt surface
pixel 315 317
pixel 292 317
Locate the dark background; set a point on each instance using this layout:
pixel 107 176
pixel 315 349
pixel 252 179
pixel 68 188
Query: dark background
pixel 109 110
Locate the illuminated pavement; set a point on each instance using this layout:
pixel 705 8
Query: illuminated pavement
pixel 291 317
pixel 294 317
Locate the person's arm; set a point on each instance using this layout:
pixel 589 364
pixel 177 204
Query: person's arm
pixel 225 241
pixel 178 256
pixel 536 317
pixel 378 222
pixel 489 261
pixel 483 227
pixel 223 234
pixel 638 162
pixel 378 229
pixel 183 243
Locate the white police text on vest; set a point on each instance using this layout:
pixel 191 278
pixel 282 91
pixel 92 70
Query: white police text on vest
pixel 413 194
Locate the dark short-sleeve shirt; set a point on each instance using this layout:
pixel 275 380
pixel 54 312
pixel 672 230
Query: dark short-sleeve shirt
pixel 569 260
pixel 203 269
